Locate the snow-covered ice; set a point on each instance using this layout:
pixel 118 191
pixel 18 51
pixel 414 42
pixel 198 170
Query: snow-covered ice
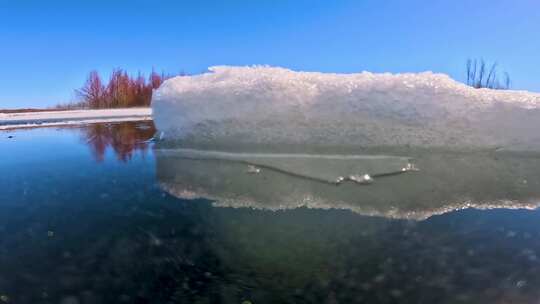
pixel 268 106
pixel 60 118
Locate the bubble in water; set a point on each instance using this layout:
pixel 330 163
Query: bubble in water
pixel 253 169
pixel 361 179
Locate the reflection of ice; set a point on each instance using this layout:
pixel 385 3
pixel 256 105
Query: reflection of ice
pixel 326 168
pixel 447 181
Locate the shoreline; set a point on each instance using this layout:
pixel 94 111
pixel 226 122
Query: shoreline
pixel 19 120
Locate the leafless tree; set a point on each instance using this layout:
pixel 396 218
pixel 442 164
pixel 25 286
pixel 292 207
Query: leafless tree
pixel 121 91
pixel 478 75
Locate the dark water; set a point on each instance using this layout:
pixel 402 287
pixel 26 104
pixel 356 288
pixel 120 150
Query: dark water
pixel 83 220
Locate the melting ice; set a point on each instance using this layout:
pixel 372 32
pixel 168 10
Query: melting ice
pixel 272 138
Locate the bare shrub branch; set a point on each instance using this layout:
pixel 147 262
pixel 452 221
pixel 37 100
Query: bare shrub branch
pixel 479 76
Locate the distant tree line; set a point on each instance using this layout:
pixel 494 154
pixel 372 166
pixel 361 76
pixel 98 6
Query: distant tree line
pixel 479 75
pixel 121 90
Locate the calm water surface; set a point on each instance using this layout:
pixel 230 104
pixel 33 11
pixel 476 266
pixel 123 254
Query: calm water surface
pixel 83 219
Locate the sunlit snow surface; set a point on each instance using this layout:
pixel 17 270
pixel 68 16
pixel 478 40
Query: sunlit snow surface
pixel 399 146
pixel 263 105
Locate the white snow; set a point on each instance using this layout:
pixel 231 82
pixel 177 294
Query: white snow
pixel 61 118
pixel 269 106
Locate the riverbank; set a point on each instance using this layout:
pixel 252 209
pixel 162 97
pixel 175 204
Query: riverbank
pixel 71 117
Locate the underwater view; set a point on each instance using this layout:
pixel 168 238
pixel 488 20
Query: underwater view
pixel 107 213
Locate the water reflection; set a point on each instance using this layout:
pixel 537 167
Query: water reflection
pixel 121 239
pixel 447 181
pixel 124 138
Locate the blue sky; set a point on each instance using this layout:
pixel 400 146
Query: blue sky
pixel 48 47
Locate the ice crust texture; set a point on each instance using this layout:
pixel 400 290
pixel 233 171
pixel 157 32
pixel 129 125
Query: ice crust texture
pixel 269 105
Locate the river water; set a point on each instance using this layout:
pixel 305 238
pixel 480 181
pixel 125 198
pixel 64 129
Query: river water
pixel 97 214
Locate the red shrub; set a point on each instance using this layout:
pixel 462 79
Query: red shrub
pixel 122 90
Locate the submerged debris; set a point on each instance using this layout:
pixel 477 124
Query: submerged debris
pixel 153 239
pixel 521 284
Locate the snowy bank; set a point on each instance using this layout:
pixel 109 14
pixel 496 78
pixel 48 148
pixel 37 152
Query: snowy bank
pixel 270 106
pixel 61 118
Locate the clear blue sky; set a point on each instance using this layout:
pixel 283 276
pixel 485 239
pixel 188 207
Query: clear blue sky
pixel 48 47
